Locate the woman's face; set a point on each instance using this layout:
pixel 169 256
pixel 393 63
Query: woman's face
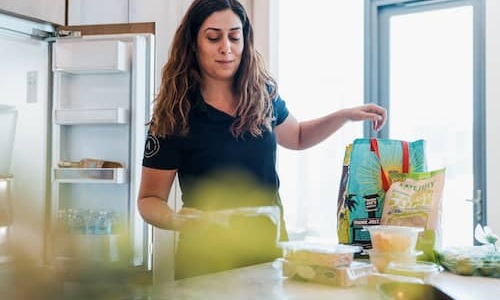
pixel 220 45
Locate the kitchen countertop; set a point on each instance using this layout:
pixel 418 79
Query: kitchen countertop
pixel 265 281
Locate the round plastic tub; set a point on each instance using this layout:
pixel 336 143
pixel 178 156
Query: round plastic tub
pixel 385 238
pixel 382 259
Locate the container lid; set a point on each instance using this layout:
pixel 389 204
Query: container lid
pixel 319 247
pixel 393 228
pixel 417 269
pixel 223 217
pixel 412 253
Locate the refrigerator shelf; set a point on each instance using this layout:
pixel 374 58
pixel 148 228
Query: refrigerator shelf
pixel 91 57
pixel 118 115
pixel 90 175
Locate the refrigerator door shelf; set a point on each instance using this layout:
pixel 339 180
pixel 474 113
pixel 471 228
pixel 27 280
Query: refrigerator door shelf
pixel 79 57
pixel 91 116
pixel 90 175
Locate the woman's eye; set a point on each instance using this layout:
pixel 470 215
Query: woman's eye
pixel 213 39
pixel 234 38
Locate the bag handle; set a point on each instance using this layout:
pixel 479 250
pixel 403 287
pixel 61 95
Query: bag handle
pixel 405 161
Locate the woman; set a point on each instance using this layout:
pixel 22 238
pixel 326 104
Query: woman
pixel 218 115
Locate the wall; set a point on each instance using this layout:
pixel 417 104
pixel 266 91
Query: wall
pixel 266 31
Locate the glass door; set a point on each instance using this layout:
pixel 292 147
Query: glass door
pixel 429 77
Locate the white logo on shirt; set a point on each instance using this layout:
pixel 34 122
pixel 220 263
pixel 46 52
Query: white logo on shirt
pixel 152 146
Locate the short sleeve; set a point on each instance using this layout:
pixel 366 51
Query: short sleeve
pixel 161 153
pixel 280 110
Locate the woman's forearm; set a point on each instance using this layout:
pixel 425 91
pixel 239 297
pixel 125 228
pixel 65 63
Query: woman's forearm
pixel 296 135
pixel 156 212
pixel 313 132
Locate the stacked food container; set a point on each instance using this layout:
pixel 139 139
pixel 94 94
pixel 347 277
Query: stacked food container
pixel 394 252
pixel 324 263
pixel 392 244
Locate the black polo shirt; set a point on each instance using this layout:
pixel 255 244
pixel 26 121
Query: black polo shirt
pixel 210 151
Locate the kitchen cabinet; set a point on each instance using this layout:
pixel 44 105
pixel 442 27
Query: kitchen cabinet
pixel 88 12
pixel 47 10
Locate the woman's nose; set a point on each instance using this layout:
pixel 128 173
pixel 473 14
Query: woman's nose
pixel 225 46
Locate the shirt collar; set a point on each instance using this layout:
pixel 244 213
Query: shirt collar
pixel 198 104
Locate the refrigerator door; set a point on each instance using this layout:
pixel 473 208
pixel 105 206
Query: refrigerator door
pixel 102 91
pixel 24 149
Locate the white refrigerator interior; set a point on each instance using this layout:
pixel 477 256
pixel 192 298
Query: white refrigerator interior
pixel 73 114
pixel 102 91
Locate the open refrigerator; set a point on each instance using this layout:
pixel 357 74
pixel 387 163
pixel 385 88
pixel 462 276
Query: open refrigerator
pixel 101 85
pixel 101 100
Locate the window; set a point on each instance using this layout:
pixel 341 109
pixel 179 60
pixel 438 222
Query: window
pixel 422 61
pixel 424 65
pixel 320 69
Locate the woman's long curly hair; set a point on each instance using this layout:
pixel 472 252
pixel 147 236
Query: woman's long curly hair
pixel 181 76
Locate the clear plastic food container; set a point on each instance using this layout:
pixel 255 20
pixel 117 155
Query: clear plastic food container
pixel 320 254
pixel 381 259
pixel 385 238
pixel 232 220
pixel 471 260
pixel 355 274
pixel 421 269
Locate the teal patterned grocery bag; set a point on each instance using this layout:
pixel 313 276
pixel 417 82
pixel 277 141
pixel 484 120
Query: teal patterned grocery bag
pixel 365 180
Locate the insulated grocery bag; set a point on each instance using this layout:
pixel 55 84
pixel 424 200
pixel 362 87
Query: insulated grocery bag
pixel 365 180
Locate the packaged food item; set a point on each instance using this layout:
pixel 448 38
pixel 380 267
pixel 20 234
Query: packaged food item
pixel 345 276
pixel 321 254
pixel 414 200
pixel 89 163
pixel 471 260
